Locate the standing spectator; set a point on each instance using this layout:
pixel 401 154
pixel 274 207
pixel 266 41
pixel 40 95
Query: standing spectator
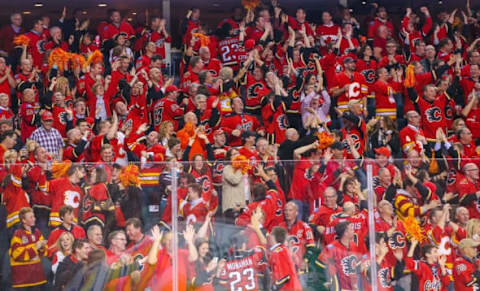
pixel 49 137
pixel 66 191
pixel 26 249
pixel 8 139
pixel 68 225
pixel 466 275
pixel 284 275
pixel 340 258
pixel 36 45
pixel 9 32
pixel 300 237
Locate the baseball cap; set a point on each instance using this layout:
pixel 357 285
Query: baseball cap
pixel 171 88
pixel 383 151
pixel 348 60
pixel 468 243
pixel 47 115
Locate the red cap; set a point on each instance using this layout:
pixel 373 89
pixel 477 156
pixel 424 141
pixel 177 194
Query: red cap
pixel 47 115
pixel 383 151
pixel 249 44
pixel 171 88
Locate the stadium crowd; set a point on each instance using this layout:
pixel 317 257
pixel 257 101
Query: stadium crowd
pixel 268 131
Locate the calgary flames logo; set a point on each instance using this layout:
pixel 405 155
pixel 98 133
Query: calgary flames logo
pixel 433 114
pixel 349 265
pixel 72 198
pixel 282 122
pixel 369 75
pixel 354 90
pixel 396 240
pixel 253 90
pixel 384 278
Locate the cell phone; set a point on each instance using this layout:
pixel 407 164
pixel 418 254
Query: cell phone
pixel 215 259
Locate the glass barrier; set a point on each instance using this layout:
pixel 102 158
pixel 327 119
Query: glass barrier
pixel 240 223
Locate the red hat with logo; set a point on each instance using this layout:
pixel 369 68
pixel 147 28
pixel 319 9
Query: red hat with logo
pixel 383 151
pixel 171 88
pixel 47 115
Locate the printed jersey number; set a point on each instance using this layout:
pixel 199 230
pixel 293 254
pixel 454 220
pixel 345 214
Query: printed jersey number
pixel 237 278
pixel 228 53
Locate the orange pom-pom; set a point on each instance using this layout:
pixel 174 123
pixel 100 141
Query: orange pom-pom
pixel 409 77
pixel 21 40
pixel 204 40
pixel 76 60
pixel 241 163
pixel 250 4
pixel 60 169
pixel 95 58
pixel 58 57
pixel 325 139
pixel 129 176
pixel 413 229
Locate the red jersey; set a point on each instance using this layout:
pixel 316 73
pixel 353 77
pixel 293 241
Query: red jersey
pixel 27 119
pixel 466 189
pixel 166 109
pixel 63 192
pixel 283 270
pixel 256 90
pixel 36 47
pixel 60 120
pixel 25 259
pixel 110 31
pixel 342 263
pixel 275 121
pixel 360 228
pixel 396 241
pixel 408 139
pixel 228 49
pixel 376 23
pixel 433 116
pixel 385 103
pixel 357 88
pixel 243 122
pixel 384 277
pixel 358 133
pixel 463 274
pixel 324 215
pixel 429 276
pixel 241 270
pixel 75 230
pixel 13 196
pixel 300 237
pixel 194 211
pixel 326 33
pixel 37 188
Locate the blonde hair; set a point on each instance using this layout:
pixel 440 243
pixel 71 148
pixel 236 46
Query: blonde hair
pixel 162 131
pixel 58 243
pixel 9 155
pixel 63 86
pixel 473 227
